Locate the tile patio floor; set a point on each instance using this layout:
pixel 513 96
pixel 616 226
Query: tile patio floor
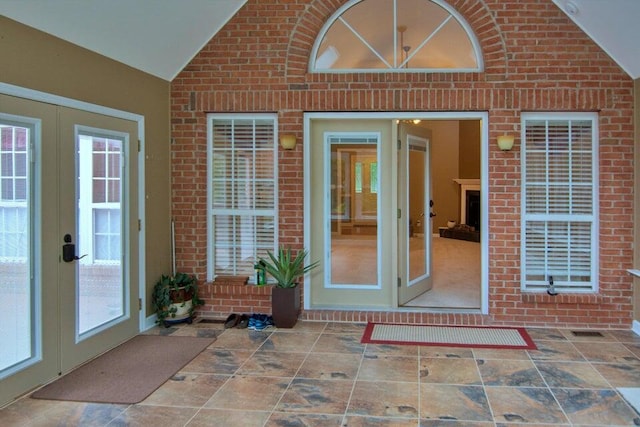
pixel 318 374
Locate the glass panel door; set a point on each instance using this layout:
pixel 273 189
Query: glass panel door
pixel 414 225
pixel 68 239
pixel 354 183
pixel 351 215
pixel 16 230
pixel 98 214
pixel 418 211
pixel 29 329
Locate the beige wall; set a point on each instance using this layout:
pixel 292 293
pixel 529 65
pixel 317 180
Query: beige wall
pixel 444 169
pixel 35 60
pixel 455 153
pixel 469 155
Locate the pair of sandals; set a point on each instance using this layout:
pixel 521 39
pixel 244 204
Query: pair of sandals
pixel 240 321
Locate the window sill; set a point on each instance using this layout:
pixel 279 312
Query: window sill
pixel 544 298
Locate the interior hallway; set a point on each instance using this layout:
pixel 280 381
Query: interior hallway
pixel 318 374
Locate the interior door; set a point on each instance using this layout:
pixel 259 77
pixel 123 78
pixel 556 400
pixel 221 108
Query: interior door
pixel 414 224
pixel 98 217
pixel 68 187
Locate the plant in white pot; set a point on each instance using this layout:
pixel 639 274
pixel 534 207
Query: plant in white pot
pixel 175 298
pixel 286 269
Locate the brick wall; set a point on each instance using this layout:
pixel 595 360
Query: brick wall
pixel 535 59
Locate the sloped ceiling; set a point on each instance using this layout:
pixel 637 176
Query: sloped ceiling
pixel 161 36
pixel 155 36
pixel 613 24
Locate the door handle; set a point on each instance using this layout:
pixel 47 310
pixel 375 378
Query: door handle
pixel 69 250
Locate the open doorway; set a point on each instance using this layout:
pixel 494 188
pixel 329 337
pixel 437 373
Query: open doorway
pixel 354 210
pixel 451 225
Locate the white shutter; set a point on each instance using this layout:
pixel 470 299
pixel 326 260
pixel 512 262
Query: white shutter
pixel 559 180
pixel 243 192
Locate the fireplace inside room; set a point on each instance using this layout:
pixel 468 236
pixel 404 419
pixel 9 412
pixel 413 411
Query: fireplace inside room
pixel 473 209
pixel 469 226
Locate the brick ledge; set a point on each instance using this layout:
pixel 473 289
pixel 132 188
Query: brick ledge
pixel 544 298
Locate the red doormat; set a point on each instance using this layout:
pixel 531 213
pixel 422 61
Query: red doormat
pixel 448 336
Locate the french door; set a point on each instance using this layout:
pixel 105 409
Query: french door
pixel 414 223
pixel 369 212
pixel 68 220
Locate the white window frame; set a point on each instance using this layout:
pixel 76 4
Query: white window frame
pixel 211 212
pixel 399 66
pixel 561 286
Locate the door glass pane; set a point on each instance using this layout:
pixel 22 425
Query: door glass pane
pixel 100 286
pixel 16 291
pixel 354 211
pixel 418 232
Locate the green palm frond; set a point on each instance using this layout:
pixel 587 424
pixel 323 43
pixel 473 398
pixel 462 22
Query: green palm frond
pixel 286 268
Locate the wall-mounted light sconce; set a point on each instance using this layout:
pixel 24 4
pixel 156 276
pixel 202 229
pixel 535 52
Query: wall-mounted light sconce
pixel 505 142
pixel 288 142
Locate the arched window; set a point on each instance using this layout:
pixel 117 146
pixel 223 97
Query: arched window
pixel 396 35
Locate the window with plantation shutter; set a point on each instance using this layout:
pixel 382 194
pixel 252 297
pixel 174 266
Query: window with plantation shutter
pixel 243 221
pixel 559 202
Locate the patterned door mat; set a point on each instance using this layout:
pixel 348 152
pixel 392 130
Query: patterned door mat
pixel 449 336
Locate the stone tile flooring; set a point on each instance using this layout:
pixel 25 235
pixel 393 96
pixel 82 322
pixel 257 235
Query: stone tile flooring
pixel 318 374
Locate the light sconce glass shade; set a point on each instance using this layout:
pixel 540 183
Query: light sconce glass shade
pixel 505 142
pixel 288 142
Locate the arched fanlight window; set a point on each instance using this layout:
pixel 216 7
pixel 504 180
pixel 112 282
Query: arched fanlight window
pixel 396 35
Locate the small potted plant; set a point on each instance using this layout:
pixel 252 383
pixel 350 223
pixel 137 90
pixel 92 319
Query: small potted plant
pixel 175 298
pixel 286 268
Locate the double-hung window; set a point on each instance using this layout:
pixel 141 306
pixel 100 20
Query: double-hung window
pixel 14 169
pixel 559 202
pixel 242 192
pixel 101 165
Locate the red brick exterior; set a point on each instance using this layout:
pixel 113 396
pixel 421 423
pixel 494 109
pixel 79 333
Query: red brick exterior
pixel 535 59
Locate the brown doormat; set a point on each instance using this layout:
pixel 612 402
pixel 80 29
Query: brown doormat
pixel 128 373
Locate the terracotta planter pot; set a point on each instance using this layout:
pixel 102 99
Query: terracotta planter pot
pixel 285 306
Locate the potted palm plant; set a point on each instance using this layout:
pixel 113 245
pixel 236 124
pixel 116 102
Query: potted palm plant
pixel 286 268
pixel 175 298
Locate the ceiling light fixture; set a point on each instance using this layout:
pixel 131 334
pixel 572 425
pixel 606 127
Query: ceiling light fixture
pixel 571 8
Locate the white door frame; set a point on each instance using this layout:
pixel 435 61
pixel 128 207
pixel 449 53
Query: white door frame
pixel 34 95
pixel 482 116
